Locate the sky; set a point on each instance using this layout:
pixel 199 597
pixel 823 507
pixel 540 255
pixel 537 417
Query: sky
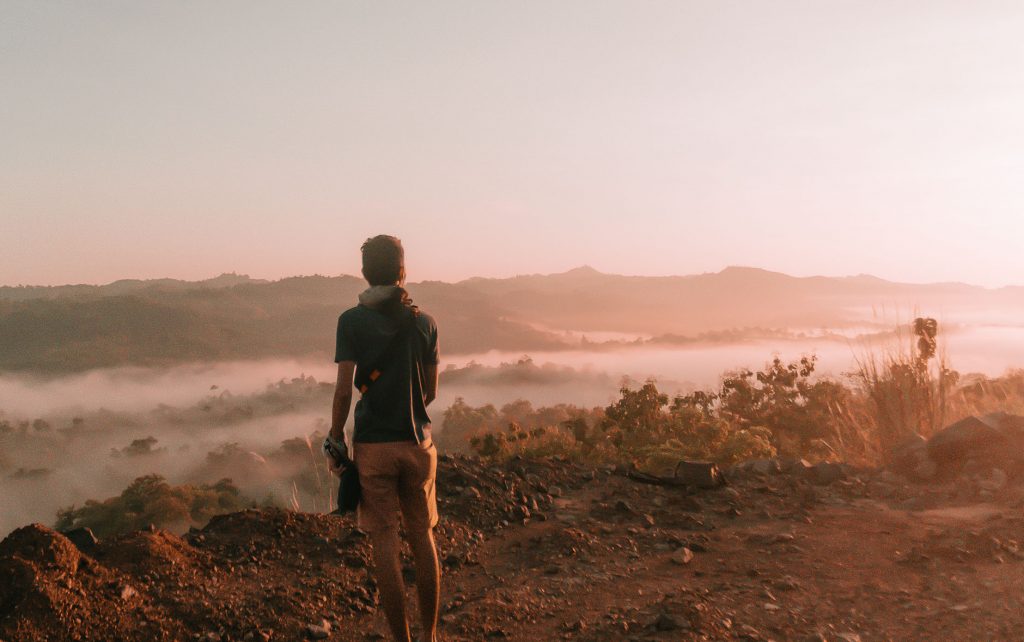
pixel 188 138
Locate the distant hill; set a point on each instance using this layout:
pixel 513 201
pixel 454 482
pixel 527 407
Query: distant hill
pixel 587 300
pixel 78 327
pixel 124 286
pixel 158 325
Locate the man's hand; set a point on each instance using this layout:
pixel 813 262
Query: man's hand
pixel 337 460
pixel 336 453
pixel 339 414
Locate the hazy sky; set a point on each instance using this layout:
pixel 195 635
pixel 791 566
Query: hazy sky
pixel 185 139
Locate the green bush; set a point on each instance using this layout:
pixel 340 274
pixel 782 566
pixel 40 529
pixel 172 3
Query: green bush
pixel 783 409
pixel 151 500
pixel 779 409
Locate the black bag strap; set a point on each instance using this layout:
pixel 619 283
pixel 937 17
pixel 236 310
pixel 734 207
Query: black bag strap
pixel 365 376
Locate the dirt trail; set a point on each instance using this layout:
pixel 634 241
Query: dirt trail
pixel 797 563
pixel 547 551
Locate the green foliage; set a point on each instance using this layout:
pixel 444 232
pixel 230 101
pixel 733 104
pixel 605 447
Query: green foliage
pixel 151 500
pixel 555 430
pixel 461 421
pixel 160 323
pixel 638 416
pixel 784 399
pixel 535 442
pixel 463 424
pixel 733 446
pixel 743 444
pixel 780 409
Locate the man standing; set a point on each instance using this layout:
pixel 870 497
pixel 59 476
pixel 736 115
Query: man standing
pixel 387 348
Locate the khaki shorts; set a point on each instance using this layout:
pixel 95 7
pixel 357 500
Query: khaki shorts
pixel 397 477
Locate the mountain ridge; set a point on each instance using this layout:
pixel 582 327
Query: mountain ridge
pixel 233 317
pixel 230 279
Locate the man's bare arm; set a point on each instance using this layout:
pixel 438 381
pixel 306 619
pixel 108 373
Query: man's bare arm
pixel 342 399
pixel 430 383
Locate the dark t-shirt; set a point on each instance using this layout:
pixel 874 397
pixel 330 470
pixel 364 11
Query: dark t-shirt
pixel 392 409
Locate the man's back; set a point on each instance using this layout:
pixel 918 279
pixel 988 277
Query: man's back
pixel 392 408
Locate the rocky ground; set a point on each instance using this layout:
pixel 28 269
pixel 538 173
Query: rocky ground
pixel 544 550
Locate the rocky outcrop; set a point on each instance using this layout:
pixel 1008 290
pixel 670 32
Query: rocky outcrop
pixel 970 446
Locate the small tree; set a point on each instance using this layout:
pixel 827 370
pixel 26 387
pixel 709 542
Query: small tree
pixel 151 500
pixel 461 421
pixel 638 416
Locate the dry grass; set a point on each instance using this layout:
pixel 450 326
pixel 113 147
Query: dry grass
pixel 912 388
pixel 980 395
pixel 323 489
pixel 905 392
pixel 321 499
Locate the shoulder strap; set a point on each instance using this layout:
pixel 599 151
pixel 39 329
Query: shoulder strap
pixel 365 376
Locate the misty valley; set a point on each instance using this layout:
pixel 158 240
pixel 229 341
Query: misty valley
pixel 71 438
pixel 180 423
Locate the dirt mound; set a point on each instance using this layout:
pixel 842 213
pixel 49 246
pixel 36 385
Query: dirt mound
pixel 45 547
pixel 543 549
pixel 490 497
pixel 151 551
pixel 51 587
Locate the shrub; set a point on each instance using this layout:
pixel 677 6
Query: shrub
pixel 151 500
pixel 462 420
pixel 782 409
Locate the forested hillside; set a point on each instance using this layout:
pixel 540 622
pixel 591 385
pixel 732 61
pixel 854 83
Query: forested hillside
pixel 50 329
pixel 157 325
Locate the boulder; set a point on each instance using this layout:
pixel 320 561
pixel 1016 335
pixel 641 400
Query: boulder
pixel 827 472
pixel 969 438
pixel 1010 426
pixel 796 467
pixel 702 474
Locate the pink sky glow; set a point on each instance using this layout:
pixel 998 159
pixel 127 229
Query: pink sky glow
pixel 186 139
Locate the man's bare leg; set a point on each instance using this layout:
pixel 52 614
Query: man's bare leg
pixel 386 549
pixel 428 580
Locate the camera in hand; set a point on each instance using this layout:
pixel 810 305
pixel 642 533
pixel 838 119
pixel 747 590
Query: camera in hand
pixel 349 490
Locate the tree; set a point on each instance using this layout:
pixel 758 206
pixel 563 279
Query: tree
pixel 151 500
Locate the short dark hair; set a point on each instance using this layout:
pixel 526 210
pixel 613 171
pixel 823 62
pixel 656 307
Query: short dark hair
pixel 383 260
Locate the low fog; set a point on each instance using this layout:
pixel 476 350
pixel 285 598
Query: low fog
pixel 66 440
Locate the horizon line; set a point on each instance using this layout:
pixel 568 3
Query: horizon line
pixel 580 269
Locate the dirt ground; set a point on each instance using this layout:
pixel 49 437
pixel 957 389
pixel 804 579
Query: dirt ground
pixel 548 551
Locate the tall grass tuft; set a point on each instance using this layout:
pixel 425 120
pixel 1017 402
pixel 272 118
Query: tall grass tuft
pixel 323 490
pixel 908 389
